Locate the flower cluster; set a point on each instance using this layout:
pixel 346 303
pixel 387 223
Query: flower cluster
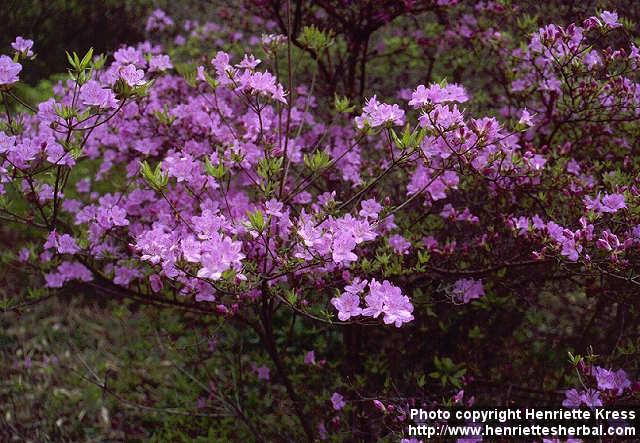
pixel 381 298
pixel 609 386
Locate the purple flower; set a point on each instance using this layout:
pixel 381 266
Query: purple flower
pixel 191 249
pixel 322 431
pixel 379 405
pixel 536 162
pixel 131 75
pixel 437 94
pixel 612 203
pixel 64 244
pixel 23 46
pixel 610 19
pixel 23 256
pixel 342 248
pixel 467 289
pixel 573 399
pixel 375 300
pixel 111 217
pixel 570 249
pixel 348 305
pixel 397 308
pixel 158 21
pixel 385 298
pixel 370 209
pixel 356 286
pixel 609 203
pixel 124 275
pixel 263 373
pixel 376 114
pixel 573 167
pixel 337 401
pixel 221 254
pixel 591 398
pixel 65 272
pixel 273 207
pixel 310 358
pixel 155 282
pixel 93 94
pixel 263 83
pixel 399 244
pixel 67 244
pixel 521 223
pixel 609 379
pixel 609 241
pixel 160 63
pixel 8 70
pixel 526 118
pixel 127 55
pixel 249 62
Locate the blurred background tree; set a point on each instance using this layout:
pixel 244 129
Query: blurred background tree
pixel 72 25
pixel 75 25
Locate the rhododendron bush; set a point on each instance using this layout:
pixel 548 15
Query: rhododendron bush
pixel 324 229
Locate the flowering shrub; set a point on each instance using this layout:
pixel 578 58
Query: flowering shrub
pixel 227 187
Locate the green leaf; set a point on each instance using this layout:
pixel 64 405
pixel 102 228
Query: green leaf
pixel 257 220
